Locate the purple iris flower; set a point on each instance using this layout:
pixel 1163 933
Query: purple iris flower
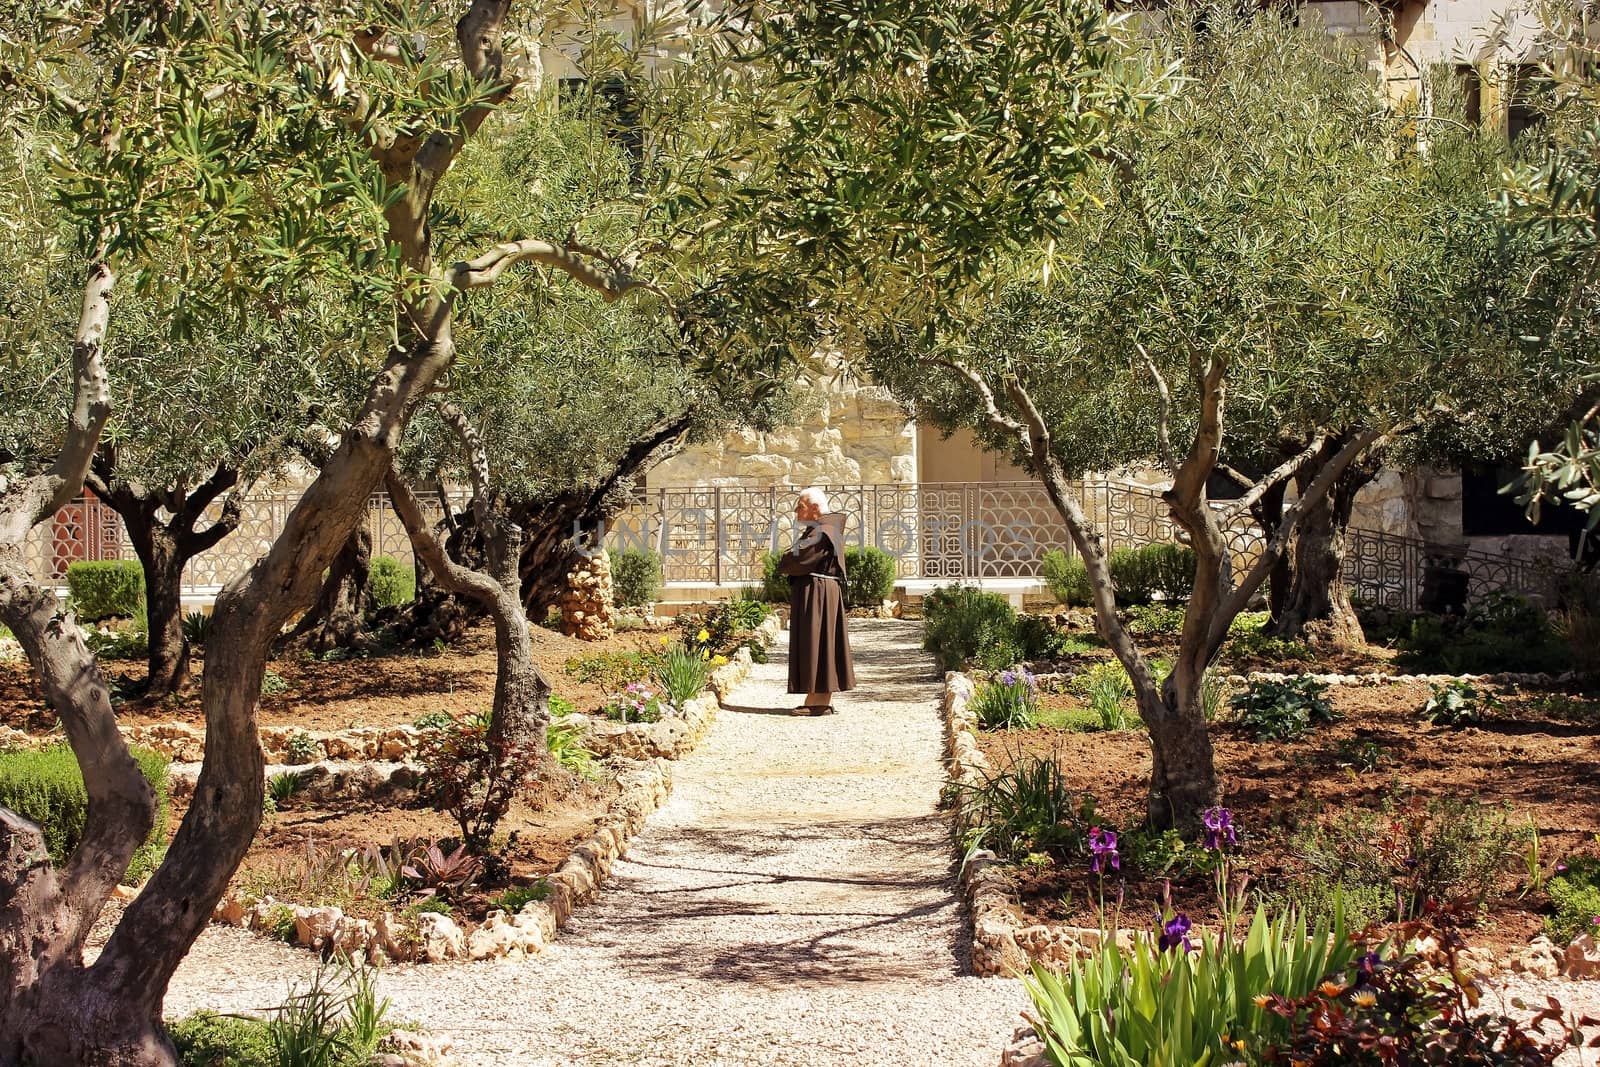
pixel 1103 848
pixel 1175 932
pixel 1219 825
pixel 1366 967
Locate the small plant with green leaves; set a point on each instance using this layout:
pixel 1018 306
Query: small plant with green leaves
pixel 1213 693
pixel 514 899
pixel 1027 807
pixel 390 583
pixel 302 748
pixel 1574 892
pixel 273 684
pixel 1282 710
pixel 1159 853
pixel 565 743
pixel 1154 620
pixel 612 670
pixel 1257 645
pixel 1008 701
pixel 1360 755
pixel 683 673
pixel 1106 688
pixel 1456 704
pixel 282 787
pixel 196 628
pixel 636 703
pixel 435 720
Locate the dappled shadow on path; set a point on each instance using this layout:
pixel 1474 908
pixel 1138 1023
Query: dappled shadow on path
pixel 840 902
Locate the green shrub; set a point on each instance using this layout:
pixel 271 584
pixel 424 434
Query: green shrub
pixel 1411 852
pixel 869 577
pixel 565 744
pixel 774 586
pixel 206 1039
pixel 1025 808
pixel 46 788
pixel 1499 632
pixel 390 582
pixel 962 625
pixel 1067 578
pixel 196 628
pixel 514 899
pixel 118 644
pixel 612 670
pixel 1255 644
pixel 1149 1006
pixel 1133 576
pixel 1456 703
pixel 1276 711
pixel 1575 894
pixel 101 589
pixel 635 577
pixel 1172 568
pixel 1010 700
pixel 1155 620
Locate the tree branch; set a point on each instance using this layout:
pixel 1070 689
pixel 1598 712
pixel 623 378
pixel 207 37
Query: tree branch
pixel 450 574
pixel 91 395
pixel 1164 426
pixel 1189 481
pixel 998 420
pixel 477 457
pixel 612 281
pixel 1287 469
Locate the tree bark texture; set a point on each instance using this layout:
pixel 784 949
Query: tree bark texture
pixel 339 617
pixel 1316 603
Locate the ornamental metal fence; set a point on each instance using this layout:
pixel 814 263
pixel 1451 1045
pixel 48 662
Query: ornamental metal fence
pixel 936 531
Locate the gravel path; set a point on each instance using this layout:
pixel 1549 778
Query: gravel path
pixel 792 904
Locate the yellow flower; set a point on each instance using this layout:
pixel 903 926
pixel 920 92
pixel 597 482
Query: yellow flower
pixel 719 661
pixel 665 640
pixel 705 653
pixel 1363 998
pixel 702 635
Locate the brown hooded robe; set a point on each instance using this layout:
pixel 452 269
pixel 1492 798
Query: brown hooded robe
pixel 819 643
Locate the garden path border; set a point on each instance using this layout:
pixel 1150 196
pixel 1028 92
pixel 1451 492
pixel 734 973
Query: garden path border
pixel 645 786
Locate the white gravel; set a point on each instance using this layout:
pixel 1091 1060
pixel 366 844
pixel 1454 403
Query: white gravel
pixel 793 904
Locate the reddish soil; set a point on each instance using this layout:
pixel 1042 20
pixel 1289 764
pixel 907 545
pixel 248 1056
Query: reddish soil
pixel 1539 754
pixel 295 854
pixel 374 691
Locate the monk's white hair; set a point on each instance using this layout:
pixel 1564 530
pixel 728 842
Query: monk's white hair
pixel 818 497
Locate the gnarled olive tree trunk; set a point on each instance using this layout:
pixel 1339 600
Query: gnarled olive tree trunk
pixel 1317 602
pixel 339 617
pixel 164 548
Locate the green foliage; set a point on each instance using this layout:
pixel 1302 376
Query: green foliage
pixel 1008 701
pixel 1172 567
pixel 1027 807
pixel 682 673
pixel 1413 852
pixel 1068 579
pixel 1278 711
pixel 869 577
pixel 196 628
pixel 1213 690
pixel 1134 576
pixel 1575 895
pixel 206 1039
pixel 1457 703
pixel 1107 689
pixel 1257 645
pixel 273 684
pixel 1500 632
pixel 1148 1007
pixel 1160 853
pixel 612 670
pixel 282 787
pixel 103 589
pixel 513 899
pixel 46 788
pixel 636 703
pixel 390 583
pixel 774 586
pixel 565 744
pixel 963 625
pixel 1155 620
pixel 432 871
pixel 437 720
pixel 743 613
pixel 302 748
pixel 118 644
pixel 635 577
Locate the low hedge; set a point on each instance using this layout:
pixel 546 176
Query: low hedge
pixel 101 589
pixel 869 577
pixel 46 787
pixel 390 582
pixel 635 577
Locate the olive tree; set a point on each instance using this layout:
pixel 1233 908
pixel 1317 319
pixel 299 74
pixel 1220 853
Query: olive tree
pixel 270 144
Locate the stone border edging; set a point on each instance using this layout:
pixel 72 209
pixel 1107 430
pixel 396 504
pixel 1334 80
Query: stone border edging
pixel 1002 945
pixel 1376 678
pixel 576 881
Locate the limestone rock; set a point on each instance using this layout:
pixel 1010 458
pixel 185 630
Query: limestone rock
pixel 1540 959
pixel 586 604
pixel 393 938
pixel 231 910
pixel 1582 958
pixel 316 926
pixel 1025 1050
pixel 432 1050
pixel 441 938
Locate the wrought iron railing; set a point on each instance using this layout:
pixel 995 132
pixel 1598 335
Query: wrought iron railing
pixel 940 531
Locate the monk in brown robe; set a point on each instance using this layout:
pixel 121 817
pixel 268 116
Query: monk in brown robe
pixel 819 643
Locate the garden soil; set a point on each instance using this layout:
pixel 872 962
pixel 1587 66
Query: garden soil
pixel 793 904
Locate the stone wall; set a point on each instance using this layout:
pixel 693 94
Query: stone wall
pixel 842 435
